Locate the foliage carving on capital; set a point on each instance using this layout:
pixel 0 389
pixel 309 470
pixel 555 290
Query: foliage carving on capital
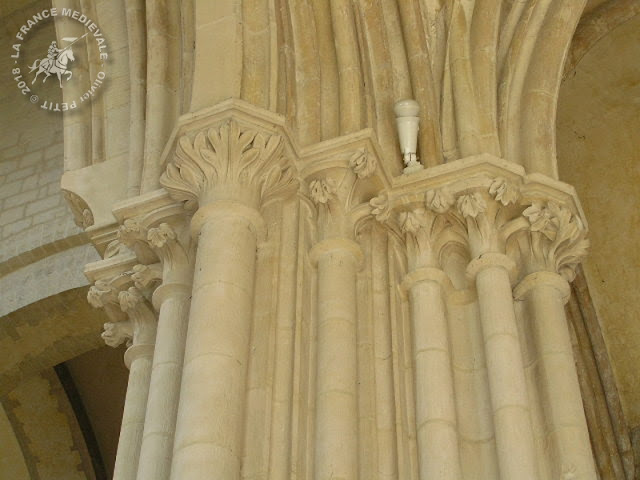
pixel 117 333
pixel 426 232
pixel 335 193
pixel 133 235
pixel 489 216
pixel 471 205
pixel 229 155
pixel 504 191
pixel 101 294
pixel 362 164
pixel 130 299
pixel 557 239
pixel 322 190
pixel 439 200
pixel 133 302
pixel 104 294
pixel 380 207
pixel 146 276
pixel 425 226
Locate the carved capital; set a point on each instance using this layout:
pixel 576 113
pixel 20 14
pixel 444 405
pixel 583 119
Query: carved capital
pixel 489 216
pixel 424 225
pixel 423 231
pixel 147 277
pixel 133 235
pixel 555 240
pixel 333 191
pixel 102 293
pixel 133 302
pixel 130 299
pixel 228 162
pixel 172 247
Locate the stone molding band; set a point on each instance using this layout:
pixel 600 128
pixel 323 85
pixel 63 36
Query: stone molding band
pixel 332 244
pixel 488 260
pixel 221 208
pixel 535 279
pixel 137 351
pixel 165 291
pixel 426 274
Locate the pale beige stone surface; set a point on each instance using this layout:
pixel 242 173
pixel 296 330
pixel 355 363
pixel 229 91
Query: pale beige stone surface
pixel 598 153
pixel 344 320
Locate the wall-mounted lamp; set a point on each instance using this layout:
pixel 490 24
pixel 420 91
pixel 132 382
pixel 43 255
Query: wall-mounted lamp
pixel 407 121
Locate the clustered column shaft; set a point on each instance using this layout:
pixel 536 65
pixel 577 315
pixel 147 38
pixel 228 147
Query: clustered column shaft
pixel 544 295
pixel 185 413
pixel 173 298
pixel 507 382
pixel 435 406
pixel 139 359
pixel 337 363
pixel 210 416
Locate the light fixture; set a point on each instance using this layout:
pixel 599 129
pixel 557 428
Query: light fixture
pixel 407 121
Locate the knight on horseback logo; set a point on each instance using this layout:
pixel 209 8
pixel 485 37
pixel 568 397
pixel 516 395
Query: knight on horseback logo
pixel 56 62
pixel 60 59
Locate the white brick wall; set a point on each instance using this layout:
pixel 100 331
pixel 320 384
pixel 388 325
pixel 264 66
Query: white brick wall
pixel 33 212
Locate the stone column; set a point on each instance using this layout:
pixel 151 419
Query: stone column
pixel 171 299
pixel 338 258
pixel 139 333
pixel 488 223
pixel 551 248
pixel 227 172
pixel 436 423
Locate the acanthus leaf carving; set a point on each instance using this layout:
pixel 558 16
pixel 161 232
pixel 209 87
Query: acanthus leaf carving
pixel 227 155
pixel 426 232
pixel 104 294
pixel 130 232
pixel 130 299
pixel 471 205
pixel 362 164
pixel 160 235
pixel 146 276
pixel 101 293
pixel 322 190
pixel 490 216
pixel 504 191
pixel 557 238
pixel 141 314
pixel 380 207
pixel 117 333
pixel 133 235
pixel 439 200
pixel 413 220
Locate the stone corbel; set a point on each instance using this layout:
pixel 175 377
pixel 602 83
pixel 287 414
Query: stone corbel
pixel 82 214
